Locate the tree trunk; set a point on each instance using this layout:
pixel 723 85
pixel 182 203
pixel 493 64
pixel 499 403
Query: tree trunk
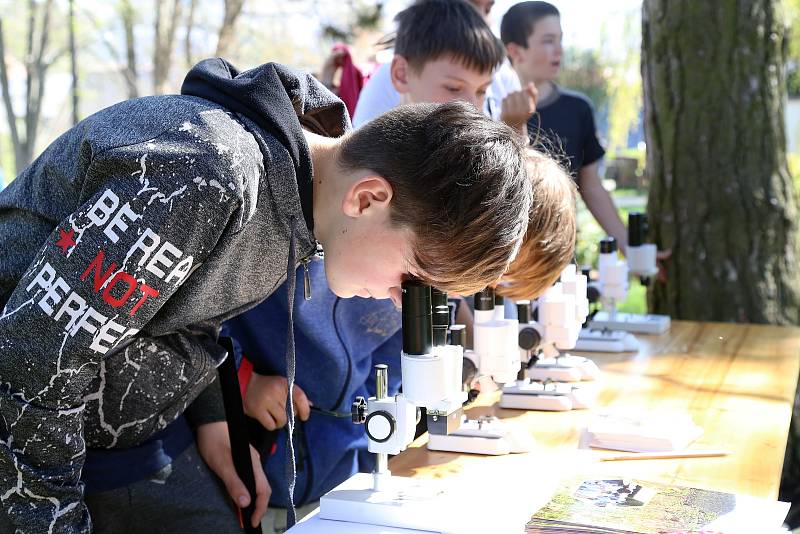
pixel 131 76
pixel 187 49
pixel 11 115
pixel 232 10
pixel 164 44
pixel 721 196
pixel 36 66
pixel 73 55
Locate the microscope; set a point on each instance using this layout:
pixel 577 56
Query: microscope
pixel 547 380
pixel 431 376
pixel 495 359
pixel 613 281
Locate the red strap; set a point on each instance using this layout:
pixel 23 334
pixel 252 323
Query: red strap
pixel 245 374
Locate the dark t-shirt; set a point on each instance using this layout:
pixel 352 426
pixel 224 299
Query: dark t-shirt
pixel 564 127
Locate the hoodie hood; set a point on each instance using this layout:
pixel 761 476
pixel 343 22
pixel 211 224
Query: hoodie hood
pixel 279 100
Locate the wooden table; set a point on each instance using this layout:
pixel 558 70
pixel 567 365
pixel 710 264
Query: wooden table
pixel 737 381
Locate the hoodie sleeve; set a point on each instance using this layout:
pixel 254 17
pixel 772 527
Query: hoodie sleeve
pixel 99 278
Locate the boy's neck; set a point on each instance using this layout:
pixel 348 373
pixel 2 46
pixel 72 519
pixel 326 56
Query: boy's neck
pixel 546 88
pixel 324 152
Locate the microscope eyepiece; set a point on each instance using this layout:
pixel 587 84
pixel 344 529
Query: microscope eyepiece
pixel 458 335
pixel 441 317
pixel 524 311
pixel 484 300
pixel 608 245
pixel 637 228
pixel 498 300
pixel 417 317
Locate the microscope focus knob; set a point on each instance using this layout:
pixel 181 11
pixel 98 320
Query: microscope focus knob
pixel 528 338
pixel 358 411
pixel 380 426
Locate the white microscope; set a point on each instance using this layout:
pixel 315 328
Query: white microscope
pixel 550 382
pixel 496 359
pixel 431 377
pixel 613 277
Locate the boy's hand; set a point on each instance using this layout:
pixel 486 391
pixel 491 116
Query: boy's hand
pixel 265 401
pixel 214 445
pixel 517 107
pixel 661 257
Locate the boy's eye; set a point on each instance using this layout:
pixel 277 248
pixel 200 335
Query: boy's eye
pixel 452 89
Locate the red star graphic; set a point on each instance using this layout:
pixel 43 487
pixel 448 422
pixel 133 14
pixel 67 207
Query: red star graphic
pixel 66 241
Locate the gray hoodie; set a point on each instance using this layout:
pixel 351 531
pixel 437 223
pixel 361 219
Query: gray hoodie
pixel 122 248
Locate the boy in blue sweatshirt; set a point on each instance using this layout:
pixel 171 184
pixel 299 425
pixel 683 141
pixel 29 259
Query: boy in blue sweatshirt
pixel 338 341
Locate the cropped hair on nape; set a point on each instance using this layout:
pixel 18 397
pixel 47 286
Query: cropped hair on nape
pixel 520 20
pixel 549 243
pixel 459 185
pixel 431 29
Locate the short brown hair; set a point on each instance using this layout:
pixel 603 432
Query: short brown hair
pixel 520 20
pixel 430 29
pixel 460 186
pixel 549 243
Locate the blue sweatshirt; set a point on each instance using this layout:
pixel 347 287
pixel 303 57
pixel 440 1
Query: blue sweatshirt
pixel 337 343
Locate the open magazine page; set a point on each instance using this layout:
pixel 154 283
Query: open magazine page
pixel 633 506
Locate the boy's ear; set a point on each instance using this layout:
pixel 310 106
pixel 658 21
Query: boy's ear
pixel 399 72
pixel 367 194
pixel 514 53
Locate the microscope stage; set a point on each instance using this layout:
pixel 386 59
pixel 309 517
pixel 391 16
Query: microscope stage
pixel 486 436
pixel 603 340
pixel 553 397
pixel 631 322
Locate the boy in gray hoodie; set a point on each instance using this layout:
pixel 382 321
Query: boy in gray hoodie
pixel 141 229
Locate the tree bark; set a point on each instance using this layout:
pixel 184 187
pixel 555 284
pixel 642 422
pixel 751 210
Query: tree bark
pixel 164 45
pixel 36 66
pixel 129 72
pixel 232 10
pixel 187 49
pixel 721 196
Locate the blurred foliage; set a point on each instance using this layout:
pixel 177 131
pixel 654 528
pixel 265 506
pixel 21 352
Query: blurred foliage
pixel 637 153
pixel 792 13
pixel 625 86
pixel 365 16
pixel 611 80
pixel 584 71
pixel 794 170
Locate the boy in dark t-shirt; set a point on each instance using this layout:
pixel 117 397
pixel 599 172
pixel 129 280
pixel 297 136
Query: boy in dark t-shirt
pixel 565 124
pixel 564 121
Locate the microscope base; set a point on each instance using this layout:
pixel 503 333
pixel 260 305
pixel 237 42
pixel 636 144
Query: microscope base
pixel 540 403
pixel 601 340
pixel 631 322
pixel 486 436
pixel 564 368
pixel 405 503
pixel 548 397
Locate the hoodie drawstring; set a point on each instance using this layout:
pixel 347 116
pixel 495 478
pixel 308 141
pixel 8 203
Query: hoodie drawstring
pixel 291 471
